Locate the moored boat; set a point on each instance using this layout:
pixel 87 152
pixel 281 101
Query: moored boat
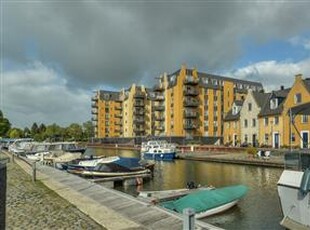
pixel 208 202
pixel 158 150
pixel 294 191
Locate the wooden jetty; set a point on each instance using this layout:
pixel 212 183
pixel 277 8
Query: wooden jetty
pixel 110 208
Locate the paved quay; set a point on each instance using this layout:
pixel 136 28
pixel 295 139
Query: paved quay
pixel 33 206
pixel 275 160
pixel 111 209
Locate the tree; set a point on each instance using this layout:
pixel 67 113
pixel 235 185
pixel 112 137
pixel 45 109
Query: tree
pixel 34 129
pixel 27 132
pixel 88 130
pixel 74 132
pixel 16 133
pixel 54 132
pixel 5 125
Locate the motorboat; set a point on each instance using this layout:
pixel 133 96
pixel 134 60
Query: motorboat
pixel 20 146
pixel 88 162
pixel 208 202
pixel 294 190
pixel 158 150
pixel 123 166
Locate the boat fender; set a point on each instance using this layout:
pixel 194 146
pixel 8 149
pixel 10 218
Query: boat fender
pixel 139 181
pixel 305 182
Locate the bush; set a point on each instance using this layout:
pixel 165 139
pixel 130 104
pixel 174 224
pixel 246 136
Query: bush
pixel 251 151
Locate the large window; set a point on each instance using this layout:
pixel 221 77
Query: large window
pixel 253 122
pixel 245 123
pixel 304 118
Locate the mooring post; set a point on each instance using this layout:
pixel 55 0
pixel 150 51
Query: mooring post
pixel 34 169
pixel 13 156
pixel 188 219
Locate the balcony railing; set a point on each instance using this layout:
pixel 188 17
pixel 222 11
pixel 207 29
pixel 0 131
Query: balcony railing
pixel 94 111
pixel 118 107
pixel 190 126
pixel 189 80
pixel 190 103
pixel 139 120
pixel 138 112
pixel 190 114
pixel 159 108
pixel 159 118
pixel 138 104
pixel 139 95
pixel 158 87
pixel 118 115
pixel 118 123
pixel 94 118
pixel 94 104
pixel 191 92
pixel 94 98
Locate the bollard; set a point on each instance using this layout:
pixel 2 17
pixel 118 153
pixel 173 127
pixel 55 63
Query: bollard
pixel 34 172
pixel 188 219
pixel 13 158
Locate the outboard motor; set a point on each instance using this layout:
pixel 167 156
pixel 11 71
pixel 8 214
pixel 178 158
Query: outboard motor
pixel 305 182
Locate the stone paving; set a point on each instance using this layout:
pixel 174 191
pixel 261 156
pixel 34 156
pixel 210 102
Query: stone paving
pixel 33 206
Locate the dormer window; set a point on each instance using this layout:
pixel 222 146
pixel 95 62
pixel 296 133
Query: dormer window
pixel 273 103
pixel 235 110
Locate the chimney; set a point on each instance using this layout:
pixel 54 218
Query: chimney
pixel 298 77
pixel 282 87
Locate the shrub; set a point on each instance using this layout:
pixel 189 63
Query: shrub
pixel 251 151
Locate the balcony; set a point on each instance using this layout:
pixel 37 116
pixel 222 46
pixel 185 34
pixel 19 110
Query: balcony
pixel 118 107
pixel 190 80
pixel 158 87
pixel 94 111
pixel 159 97
pixel 159 118
pixel 159 108
pixel 138 104
pixel 94 118
pixel 118 115
pixel 138 112
pixel 119 123
pixel 190 126
pixel 190 102
pixel 139 120
pixel 159 128
pixel 94 123
pixel 94 98
pixel 190 114
pixel 138 129
pixel 94 104
pixel 139 95
pixel 191 92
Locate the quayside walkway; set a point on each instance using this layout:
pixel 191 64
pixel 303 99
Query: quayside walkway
pixel 110 208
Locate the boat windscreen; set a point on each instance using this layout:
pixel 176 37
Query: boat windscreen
pixel 297 160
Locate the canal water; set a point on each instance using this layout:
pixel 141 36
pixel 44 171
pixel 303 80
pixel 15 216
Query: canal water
pixel 259 209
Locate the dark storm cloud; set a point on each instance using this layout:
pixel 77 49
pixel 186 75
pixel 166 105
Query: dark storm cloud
pixel 116 44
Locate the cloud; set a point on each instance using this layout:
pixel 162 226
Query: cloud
pixel 300 41
pixel 116 43
pixel 272 74
pixel 39 94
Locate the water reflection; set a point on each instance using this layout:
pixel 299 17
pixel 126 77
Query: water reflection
pixel 258 210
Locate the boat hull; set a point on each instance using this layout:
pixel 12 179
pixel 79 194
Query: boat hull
pixel 113 174
pixel 159 156
pixel 216 210
pixel 294 204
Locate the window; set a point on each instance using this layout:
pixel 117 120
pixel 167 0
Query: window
pixel 253 122
pixel 273 103
pixel 246 138
pixel 250 106
pixel 266 138
pixel 304 118
pixel 293 137
pixel 297 98
pixel 276 120
pixel 266 121
pixel 245 123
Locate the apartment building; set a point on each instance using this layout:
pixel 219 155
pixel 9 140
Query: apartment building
pixel 185 103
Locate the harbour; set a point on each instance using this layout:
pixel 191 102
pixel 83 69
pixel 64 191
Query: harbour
pixel 259 209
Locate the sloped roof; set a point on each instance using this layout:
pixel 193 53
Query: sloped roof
pixel 261 98
pixel 303 109
pixel 233 117
pixel 307 83
pixel 281 94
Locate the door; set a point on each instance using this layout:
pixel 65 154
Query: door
pixel 276 143
pixel 235 139
pixel 254 140
pixel 305 139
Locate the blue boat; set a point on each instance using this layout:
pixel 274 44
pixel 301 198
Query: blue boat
pixel 208 202
pixel 158 150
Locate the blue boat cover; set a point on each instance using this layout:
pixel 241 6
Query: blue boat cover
pixel 207 199
pixel 128 162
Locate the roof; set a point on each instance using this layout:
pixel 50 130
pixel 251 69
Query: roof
pixel 108 95
pixel 261 98
pixel 238 102
pixel 211 76
pixel 307 83
pixel 281 95
pixel 233 117
pixel 303 109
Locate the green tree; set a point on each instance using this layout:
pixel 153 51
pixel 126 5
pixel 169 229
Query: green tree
pixel 88 130
pixel 74 132
pixel 54 132
pixel 5 125
pixel 27 132
pixel 16 133
pixel 34 129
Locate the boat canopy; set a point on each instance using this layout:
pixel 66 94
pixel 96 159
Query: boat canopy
pixel 207 199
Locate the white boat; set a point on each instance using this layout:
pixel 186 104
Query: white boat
pixel 294 191
pixel 158 150
pixel 20 146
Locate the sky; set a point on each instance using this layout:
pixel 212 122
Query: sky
pixel 54 54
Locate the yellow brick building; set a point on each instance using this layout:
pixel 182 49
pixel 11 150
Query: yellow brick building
pixel 185 103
